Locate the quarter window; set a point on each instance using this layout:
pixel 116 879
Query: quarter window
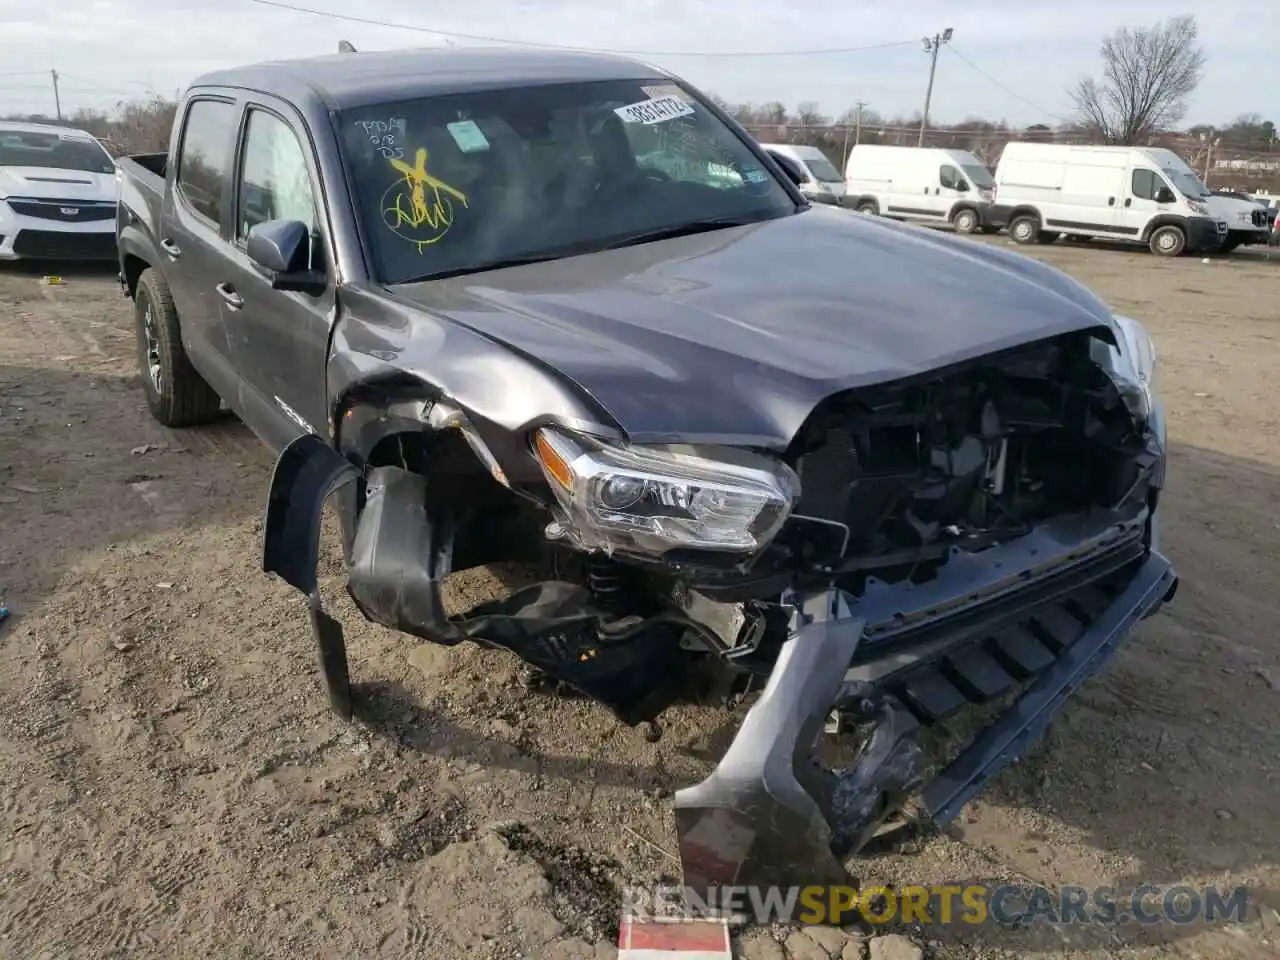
pixel 275 183
pixel 203 158
pixel 949 176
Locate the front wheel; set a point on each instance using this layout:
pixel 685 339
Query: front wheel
pixel 1025 229
pixel 965 221
pixel 1168 241
pixel 177 395
pixel 868 208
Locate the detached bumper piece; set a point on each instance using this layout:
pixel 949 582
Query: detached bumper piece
pixel 769 815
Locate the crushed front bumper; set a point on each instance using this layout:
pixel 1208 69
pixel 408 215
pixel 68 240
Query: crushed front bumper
pixel 1046 611
pixel 769 815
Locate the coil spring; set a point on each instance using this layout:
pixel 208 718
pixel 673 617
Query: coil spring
pixel 604 582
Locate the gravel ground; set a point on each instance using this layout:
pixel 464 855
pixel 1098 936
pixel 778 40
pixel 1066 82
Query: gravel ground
pixel 175 785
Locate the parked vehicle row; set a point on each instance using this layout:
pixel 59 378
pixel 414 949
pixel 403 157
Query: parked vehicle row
pixel 58 191
pixel 1041 192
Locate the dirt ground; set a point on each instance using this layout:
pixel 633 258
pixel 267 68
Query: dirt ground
pixel 174 784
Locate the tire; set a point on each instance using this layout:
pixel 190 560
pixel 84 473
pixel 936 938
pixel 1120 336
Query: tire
pixel 965 221
pixel 1047 236
pixel 868 208
pixel 1167 241
pixel 1024 229
pixel 177 395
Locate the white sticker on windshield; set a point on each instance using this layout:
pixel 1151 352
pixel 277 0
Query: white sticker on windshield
pixel 755 176
pixel 658 110
pixel 468 136
pixel 665 90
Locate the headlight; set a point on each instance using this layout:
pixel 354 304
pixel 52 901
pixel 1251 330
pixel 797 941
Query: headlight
pixel 654 499
pixel 1197 207
pixel 1135 367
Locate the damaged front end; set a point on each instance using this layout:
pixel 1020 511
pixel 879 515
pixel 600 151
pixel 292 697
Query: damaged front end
pixel 980 534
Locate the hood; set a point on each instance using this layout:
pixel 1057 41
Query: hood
pixel 48 183
pixel 1237 213
pixel 824 188
pixel 735 336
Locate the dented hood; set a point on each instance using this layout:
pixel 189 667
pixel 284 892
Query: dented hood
pixel 734 336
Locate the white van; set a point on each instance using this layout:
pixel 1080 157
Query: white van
pixel 928 184
pixel 1137 194
pixel 822 182
pixel 58 194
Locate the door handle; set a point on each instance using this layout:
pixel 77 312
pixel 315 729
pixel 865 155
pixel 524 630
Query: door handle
pixel 1111 201
pixel 1128 200
pixel 234 300
pixel 171 248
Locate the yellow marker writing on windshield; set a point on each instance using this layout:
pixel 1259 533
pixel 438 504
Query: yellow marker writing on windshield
pixel 417 207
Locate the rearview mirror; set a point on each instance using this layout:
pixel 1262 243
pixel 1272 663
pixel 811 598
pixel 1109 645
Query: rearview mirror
pixel 1165 195
pixel 790 168
pixel 281 251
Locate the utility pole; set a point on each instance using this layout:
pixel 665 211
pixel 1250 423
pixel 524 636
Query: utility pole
pixel 57 100
pixel 931 46
pixel 857 123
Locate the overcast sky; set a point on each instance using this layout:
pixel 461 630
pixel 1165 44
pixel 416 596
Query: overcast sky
pixel 1030 50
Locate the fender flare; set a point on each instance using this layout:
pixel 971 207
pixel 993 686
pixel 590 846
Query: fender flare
pixel 307 472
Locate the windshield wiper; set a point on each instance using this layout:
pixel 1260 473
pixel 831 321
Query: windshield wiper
pixel 688 228
pixel 489 265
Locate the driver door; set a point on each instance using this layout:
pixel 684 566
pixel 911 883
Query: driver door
pixel 278 338
pixel 1139 205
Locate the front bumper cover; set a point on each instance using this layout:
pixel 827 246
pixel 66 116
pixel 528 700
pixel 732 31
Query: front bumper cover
pixel 768 815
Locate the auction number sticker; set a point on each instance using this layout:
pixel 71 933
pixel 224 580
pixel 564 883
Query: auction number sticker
pixel 658 110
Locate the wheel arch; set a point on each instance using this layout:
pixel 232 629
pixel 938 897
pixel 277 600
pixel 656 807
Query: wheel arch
pixel 1026 210
pixel 1165 220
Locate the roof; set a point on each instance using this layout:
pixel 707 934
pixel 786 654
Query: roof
pixel 22 126
pixel 345 80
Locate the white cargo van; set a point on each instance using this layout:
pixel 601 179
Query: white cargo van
pixel 928 184
pixel 1137 194
pixel 822 182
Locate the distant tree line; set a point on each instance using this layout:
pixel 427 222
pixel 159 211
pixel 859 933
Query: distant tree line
pixel 1148 74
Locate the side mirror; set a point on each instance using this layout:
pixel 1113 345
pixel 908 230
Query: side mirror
pixel 1165 195
pixel 281 251
pixel 790 168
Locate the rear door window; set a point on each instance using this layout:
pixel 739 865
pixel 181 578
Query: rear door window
pixel 205 155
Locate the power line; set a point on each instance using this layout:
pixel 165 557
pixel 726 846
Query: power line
pixel 417 28
pixel 1017 96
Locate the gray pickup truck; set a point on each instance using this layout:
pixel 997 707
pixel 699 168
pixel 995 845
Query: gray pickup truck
pixel 855 475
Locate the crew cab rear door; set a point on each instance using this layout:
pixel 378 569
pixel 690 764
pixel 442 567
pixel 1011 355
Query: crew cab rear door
pixel 193 218
pixel 279 339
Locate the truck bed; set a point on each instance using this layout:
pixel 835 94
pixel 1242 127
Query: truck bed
pixel 142 191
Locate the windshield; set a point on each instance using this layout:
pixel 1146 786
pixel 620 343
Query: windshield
pixel 979 176
pixel 1188 183
pixel 822 169
pixel 456 183
pixel 58 151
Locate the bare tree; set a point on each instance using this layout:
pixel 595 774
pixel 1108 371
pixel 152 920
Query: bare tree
pixel 1148 75
pixel 808 115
